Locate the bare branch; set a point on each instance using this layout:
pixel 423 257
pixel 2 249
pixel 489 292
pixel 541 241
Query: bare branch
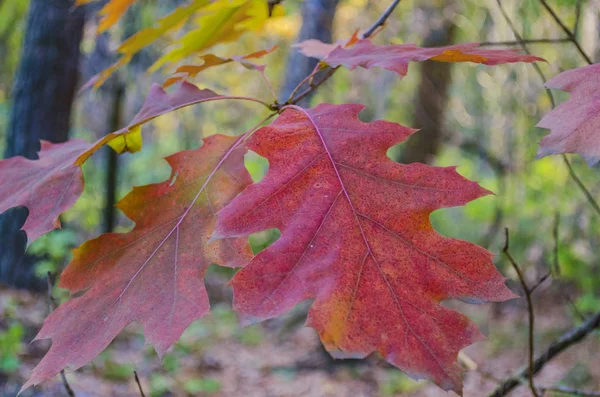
pixel 529 310
pixel 570 391
pixel 382 19
pixel 528 41
pixel 569 338
pixel 566 30
pixel 581 186
pixel 139 384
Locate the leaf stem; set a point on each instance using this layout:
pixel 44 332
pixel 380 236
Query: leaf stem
pixel 581 186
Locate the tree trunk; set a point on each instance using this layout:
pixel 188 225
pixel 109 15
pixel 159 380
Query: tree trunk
pixel 41 109
pixel 431 100
pixel 317 22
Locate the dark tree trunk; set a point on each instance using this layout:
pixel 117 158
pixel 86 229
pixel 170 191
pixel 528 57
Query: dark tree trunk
pixel 431 100
pixel 317 22
pixel 42 98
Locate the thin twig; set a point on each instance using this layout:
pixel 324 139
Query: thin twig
pixel 567 31
pixel 555 231
pixel 540 282
pixel 578 8
pixel 569 338
pixel 382 19
pixel 525 41
pixel 139 384
pixel 51 306
pixel 529 310
pixel 569 390
pixel 581 186
pixel 524 46
pixel 328 71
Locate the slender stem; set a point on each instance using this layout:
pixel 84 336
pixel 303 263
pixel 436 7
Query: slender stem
pixel 304 80
pixel 581 186
pixel 524 41
pixel 566 30
pixel 139 384
pixel 578 8
pixel 524 46
pixel 569 338
pixel 382 19
pixel 555 231
pixel 314 86
pixel 570 391
pixel 529 310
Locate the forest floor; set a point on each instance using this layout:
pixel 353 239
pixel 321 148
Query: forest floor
pixel 217 358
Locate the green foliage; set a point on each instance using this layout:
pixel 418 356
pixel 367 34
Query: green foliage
pixel 395 383
pixel 11 346
pixel 202 386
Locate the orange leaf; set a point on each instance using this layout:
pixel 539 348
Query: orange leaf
pixel 154 273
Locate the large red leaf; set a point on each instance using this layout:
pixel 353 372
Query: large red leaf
pixel 356 238
pixel 47 186
pixel 575 124
pixel 397 57
pixel 152 274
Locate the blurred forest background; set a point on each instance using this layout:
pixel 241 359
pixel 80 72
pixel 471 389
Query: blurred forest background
pixel 479 118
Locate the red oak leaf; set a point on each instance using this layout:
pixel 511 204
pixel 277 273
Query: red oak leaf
pixel 575 124
pixel 47 187
pixel 152 274
pixel 356 238
pixel 397 57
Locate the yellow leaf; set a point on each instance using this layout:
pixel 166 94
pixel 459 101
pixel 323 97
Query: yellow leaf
pixel 217 21
pixel 220 22
pixel 112 12
pixel 147 36
pixel 131 141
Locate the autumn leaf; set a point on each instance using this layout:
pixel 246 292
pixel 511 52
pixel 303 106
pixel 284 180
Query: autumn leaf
pixel 216 22
pixel 356 238
pixel 397 57
pixel 47 186
pixel 51 185
pixel 111 12
pixel 220 22
pixel 211 60
pixel 575 124
pixel 317 49
pixel 154 273
pixel 157 103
